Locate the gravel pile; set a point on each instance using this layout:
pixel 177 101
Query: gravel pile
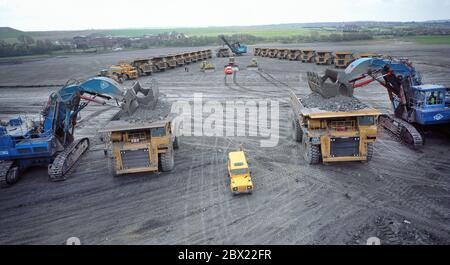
pixel 144 114
pixel 339 103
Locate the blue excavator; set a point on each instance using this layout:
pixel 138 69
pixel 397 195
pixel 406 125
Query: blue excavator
pixel 237 48
pixel 416 105
pixel 51 141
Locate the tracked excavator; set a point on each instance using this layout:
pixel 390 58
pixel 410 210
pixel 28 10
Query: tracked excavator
pixel 51 141
pixel 415 104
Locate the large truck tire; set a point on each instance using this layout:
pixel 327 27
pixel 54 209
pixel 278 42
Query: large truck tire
pixel 312 154
pixel 298 132
pixel 369 151
pixel 167 160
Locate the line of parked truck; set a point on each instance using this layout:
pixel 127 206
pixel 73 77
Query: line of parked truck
pixel 147 66
pixel 339 59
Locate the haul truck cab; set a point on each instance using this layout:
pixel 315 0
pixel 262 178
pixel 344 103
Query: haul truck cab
pixel 240 179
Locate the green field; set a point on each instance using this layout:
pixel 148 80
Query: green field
pixel 258 31
pixel 214 31
pixel 267 32
pixel 430 39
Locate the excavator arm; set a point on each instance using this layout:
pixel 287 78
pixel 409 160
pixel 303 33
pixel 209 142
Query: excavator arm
pixel 61 115
pixel 388 73
pixel 62 110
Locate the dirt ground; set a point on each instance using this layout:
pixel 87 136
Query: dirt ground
pixel 402 196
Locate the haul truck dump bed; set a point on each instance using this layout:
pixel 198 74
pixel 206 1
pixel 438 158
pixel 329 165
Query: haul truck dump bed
pixel 334 130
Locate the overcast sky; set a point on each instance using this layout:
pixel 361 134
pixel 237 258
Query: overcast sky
pixel 108 14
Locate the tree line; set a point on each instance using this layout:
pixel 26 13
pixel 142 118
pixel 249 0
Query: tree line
pixel 26 45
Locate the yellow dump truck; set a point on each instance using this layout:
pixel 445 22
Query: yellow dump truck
pixel 324 58
pixel 282 54
pixel 160 63
pixel 180 59
pixel 194 57
pixel 124 71
pixel 144 66
pixel 294 55
pixel 257 51
pixel 204 54
pixel 187 58
pixel 343 59
pixel 273 53
pixel 239 173
pixel 209 53
pixel 107 73
pixel 264 52
pixel 199 55
pixel 140 147
pixel 333 136
pixel 308 56
pixel 171 61
pixel 369 55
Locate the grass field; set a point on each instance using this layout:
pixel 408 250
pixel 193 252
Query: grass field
pixel 214 31
pixel 430 39
pixel 258 31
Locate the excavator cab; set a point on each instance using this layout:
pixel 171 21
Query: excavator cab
pixel 431 104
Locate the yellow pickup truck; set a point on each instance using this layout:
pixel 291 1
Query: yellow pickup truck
pixel 240 179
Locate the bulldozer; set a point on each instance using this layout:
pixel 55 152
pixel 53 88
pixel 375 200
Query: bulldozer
pixel 207 67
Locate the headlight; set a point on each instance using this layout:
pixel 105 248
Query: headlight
pixel 249 187
pixel 235 189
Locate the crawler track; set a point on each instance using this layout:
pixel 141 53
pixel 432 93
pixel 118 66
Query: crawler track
pixel 402 131
pixel 5 166
pixel 65 160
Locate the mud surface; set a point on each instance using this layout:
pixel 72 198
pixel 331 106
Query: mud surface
pixel 402 196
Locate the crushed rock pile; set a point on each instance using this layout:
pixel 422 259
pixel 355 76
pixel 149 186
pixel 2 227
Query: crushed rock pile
pixel 339 103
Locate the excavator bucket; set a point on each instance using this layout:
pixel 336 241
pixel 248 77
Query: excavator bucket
pixel 328 89
pixel 139 97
